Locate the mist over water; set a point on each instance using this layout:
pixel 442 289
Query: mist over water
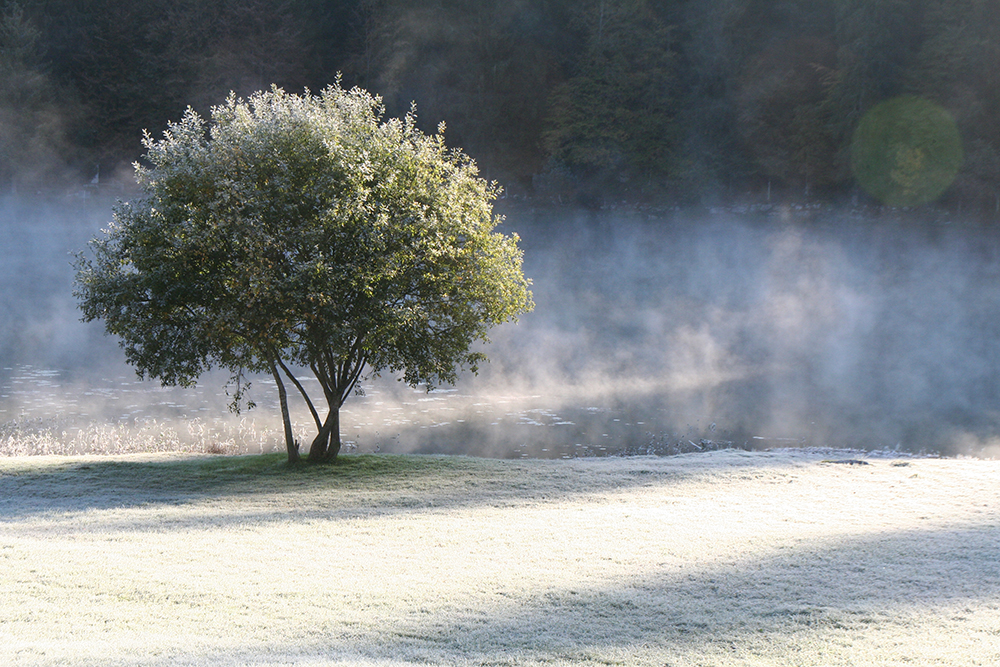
pixel 818 327
pixel 759 329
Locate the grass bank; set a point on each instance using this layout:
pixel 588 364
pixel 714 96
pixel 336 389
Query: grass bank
pixel 727 558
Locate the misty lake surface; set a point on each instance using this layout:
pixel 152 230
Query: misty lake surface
pixel 653 331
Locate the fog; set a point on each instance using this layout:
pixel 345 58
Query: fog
pixel 653 331
pixel 834 329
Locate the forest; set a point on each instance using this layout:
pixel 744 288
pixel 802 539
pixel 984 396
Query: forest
pixel 573 101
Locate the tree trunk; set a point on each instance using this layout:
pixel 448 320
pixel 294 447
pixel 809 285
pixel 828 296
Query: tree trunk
pixel 320 445
pixel 326 445
pixel 290 445
pixel 333 448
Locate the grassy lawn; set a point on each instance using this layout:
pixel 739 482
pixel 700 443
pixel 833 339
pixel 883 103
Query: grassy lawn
pixel 728 558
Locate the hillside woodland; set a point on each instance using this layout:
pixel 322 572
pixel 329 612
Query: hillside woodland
pixel 583 101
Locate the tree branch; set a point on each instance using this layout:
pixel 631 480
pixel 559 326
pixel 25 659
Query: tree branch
pixel 302 390
pixel 355 376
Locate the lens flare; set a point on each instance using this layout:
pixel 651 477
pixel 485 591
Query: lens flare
pixel 906 151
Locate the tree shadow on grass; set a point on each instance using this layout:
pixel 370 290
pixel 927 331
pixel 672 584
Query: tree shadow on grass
pixel 351 485
pixel 849 586
pixel 872 588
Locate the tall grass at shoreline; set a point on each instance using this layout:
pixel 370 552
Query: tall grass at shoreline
pixel 52 436
pixel 723 558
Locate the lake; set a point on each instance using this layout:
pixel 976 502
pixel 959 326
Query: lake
pixel 654 331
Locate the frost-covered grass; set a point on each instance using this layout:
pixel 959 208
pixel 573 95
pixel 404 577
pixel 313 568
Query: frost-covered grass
pixel 53 436
pixel 727 558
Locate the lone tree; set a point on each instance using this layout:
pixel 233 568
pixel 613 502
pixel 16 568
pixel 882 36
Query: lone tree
pixel 304 232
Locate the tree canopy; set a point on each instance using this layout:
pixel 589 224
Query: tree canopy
pixel 304 232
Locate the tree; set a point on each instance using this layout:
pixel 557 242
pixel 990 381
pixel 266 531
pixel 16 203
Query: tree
pixel 613 120
pixel 232 45
pixel 486 66
pixel 955 68
pixel 877 40
pixel 906 151
pixel 105 51
pixel 782 118
pixel 32 124
pixel 304 232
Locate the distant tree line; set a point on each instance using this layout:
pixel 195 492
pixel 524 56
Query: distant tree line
pixel 579 100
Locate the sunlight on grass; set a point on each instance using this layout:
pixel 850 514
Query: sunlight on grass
pixel 722 559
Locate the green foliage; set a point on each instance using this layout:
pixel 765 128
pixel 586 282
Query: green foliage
pixel 633 97
pixel 906 151
pixel 752 71
pixel 614 116
pixel 32 140
pixel 782 118
pixel 485 66
pixel 876 42
pixel 304 231
pixel 955 68
pixel 232 45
